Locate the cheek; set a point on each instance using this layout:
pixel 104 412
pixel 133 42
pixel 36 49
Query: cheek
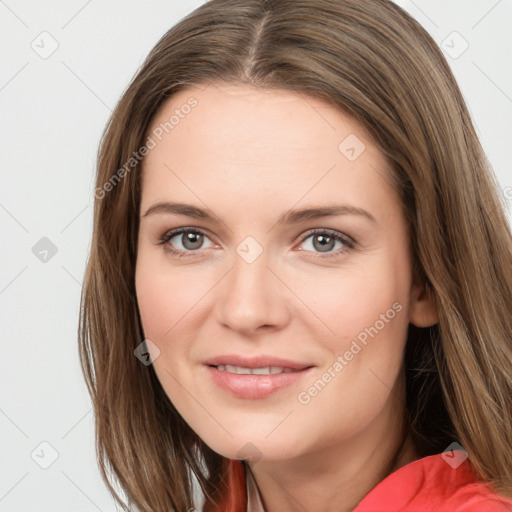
pixel 360 375
pixel 156 303
pixel 365 318
pixel 352 300
pixel 166 301
pixel 167 298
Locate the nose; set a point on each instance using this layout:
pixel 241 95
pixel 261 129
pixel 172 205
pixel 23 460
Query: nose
pixel 252 297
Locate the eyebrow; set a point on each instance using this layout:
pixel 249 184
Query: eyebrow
pixel 288 217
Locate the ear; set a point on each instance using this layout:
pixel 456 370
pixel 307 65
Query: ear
pixel 422 307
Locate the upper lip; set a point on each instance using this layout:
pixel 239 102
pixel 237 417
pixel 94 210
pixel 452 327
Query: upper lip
pixel 262 361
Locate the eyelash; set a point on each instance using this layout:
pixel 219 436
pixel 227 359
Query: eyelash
pixel 347 241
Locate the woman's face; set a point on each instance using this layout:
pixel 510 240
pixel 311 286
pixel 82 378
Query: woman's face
pixel 281 319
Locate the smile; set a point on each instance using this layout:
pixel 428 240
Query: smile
pixel 254 378
pixel 240 370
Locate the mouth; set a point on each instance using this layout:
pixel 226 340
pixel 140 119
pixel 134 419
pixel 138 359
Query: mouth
pixel 256 377
pixel 241 370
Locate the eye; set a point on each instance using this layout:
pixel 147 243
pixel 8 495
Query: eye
pixel 187 240
pixel 324 241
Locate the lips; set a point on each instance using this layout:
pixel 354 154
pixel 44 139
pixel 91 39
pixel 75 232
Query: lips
pixel 243 370
pixel 255 377
pixel 262 361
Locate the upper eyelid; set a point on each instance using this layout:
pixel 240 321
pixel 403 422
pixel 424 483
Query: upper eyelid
pixel 346 239
pixel 171 233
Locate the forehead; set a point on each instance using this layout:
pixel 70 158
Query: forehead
pixel 246 139
pixel 249 114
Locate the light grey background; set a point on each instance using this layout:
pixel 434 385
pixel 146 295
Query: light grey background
pixel 53 109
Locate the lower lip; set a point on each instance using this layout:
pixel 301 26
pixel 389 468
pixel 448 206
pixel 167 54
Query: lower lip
pixel 255 386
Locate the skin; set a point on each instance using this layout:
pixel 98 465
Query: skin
pixel 248 155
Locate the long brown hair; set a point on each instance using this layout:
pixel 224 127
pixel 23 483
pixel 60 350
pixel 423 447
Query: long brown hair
pixel 376 63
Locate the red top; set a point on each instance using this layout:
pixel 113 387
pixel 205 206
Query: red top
pixel 426 485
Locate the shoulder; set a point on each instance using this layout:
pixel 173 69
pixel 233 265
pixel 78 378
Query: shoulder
pixel 434 484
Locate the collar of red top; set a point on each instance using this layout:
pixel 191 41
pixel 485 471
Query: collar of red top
pixel 429 484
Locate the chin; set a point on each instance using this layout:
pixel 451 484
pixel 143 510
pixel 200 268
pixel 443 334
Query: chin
pixel 253 448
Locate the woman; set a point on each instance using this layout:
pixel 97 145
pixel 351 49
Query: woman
pixel 299 291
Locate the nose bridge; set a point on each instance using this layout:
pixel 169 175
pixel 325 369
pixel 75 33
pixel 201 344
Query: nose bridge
pixel 250 266
pixel 251 295
pixel 250 279
pixel 250 274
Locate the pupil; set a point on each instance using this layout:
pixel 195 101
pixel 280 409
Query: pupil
pixel 189 241
pixel 324 246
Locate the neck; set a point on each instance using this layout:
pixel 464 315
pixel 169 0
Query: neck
pixel 339 476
